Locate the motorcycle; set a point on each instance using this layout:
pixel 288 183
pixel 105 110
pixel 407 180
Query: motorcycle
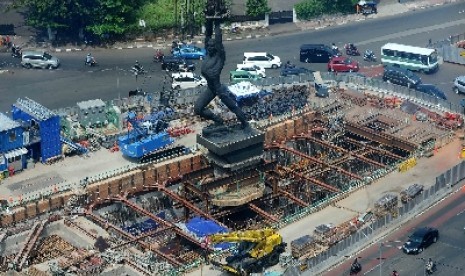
pixel 430 268
pixel 355 268
pixel 16 52
pixel 138 70
pixel 369 56
pixel 158 57
pixel 351 50
pixel 90 62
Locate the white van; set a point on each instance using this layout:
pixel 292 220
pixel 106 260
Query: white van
pixel 262 59
pixel 185 80
pixel 252 69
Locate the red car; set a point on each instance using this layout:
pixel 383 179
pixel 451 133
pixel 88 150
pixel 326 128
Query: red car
pixel 342 64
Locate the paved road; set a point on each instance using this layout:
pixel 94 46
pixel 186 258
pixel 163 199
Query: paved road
pixel 73 82
pixel 448 216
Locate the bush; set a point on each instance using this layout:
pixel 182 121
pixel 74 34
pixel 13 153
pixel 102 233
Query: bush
pixel 309 9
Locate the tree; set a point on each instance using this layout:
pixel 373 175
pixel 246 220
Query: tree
pixel 257 7
pixel 100 17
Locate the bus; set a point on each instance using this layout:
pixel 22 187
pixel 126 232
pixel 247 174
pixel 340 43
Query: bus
pixel 410 57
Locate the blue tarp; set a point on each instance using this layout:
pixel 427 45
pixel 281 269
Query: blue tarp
pixel 144 226
pixel 203 227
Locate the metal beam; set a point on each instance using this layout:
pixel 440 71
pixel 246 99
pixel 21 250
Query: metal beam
pixel 141 210
pixel 186 203
pixel 293 198
pixel 106 224
pixel 261 212
pixel 312 180
pixel 334 147
pixel 382 151
pixel 382 138
pixel 303 155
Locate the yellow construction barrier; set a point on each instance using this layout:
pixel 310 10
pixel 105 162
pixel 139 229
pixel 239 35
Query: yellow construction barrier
pixel 407 164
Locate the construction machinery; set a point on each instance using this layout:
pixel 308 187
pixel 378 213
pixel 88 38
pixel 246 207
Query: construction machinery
pixel 256 250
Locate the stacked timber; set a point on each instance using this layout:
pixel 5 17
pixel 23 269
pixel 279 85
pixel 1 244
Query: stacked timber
pixel 302 246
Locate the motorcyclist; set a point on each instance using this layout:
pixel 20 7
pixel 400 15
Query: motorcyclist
pixel 15 50
pixel 90 59
pixel 138 67
pixel 356 267
pixel 334 47
pixel 159 55
pixel 289 65
pixel 430 266
pixel 395 273
pixel 368 54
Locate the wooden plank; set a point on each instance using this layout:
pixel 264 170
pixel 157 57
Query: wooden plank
pixel 31 210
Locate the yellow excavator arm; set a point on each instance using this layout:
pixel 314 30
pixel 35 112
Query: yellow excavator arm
pixel 265 240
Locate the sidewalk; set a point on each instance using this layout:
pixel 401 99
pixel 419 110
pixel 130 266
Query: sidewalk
pixel 254 31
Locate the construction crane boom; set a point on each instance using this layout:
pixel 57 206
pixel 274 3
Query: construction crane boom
pixel 257 249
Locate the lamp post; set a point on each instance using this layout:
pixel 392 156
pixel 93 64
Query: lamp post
pixel 385 244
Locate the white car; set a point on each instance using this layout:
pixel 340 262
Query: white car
pixel 262 59
pixel 185 80
pixel 252 69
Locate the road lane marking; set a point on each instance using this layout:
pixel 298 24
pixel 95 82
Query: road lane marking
pixel 412 32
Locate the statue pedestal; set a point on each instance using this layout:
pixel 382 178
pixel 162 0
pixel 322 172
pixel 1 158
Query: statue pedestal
pixel 232 148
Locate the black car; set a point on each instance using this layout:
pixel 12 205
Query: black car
pixel 317 53
pixel 401 76
pixel 420 239
pixel 176 64
pixel 294 71
pixel 431 90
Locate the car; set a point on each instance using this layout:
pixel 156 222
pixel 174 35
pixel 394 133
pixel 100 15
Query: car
pixel 185 80
pixel 262 59
pixel 239 76
pixel 459 85
pixel 189 52
pixel 252 69
pixel 39 59
pixel 176 64
pixel 295 71
pixel 317 53
pixel 420 240
pixel 431 90
pixel 342 64
pixel 400 76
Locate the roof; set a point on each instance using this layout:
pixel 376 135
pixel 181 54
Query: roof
pixel 407 48
pixel 90 104
pixel 34 109
pixel 6 123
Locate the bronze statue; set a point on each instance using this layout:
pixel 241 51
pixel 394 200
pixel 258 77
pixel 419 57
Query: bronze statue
pixel 212 66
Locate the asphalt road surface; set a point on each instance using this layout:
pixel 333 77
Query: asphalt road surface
pixel 448 217
pixel 73 82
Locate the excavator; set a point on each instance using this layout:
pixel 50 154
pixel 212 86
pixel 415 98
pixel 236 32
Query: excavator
pixel 256 250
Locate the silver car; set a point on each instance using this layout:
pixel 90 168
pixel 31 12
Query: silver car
pixel 459 85
pixel 39 59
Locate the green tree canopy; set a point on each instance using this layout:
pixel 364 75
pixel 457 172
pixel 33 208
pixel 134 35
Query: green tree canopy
pixel 97 16
pixel 257 7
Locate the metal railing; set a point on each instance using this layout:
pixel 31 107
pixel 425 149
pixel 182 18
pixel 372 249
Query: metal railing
pixel 357 241
pixel 361 84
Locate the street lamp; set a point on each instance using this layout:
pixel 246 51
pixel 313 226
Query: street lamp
pixel 385 244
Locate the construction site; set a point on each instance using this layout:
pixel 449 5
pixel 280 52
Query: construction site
pixel 156 218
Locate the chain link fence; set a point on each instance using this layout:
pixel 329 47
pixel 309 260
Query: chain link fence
pixel 347 247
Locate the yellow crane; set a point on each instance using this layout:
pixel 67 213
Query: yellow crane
pixel 257 249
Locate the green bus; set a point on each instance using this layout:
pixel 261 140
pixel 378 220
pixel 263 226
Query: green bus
pixel 410 57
